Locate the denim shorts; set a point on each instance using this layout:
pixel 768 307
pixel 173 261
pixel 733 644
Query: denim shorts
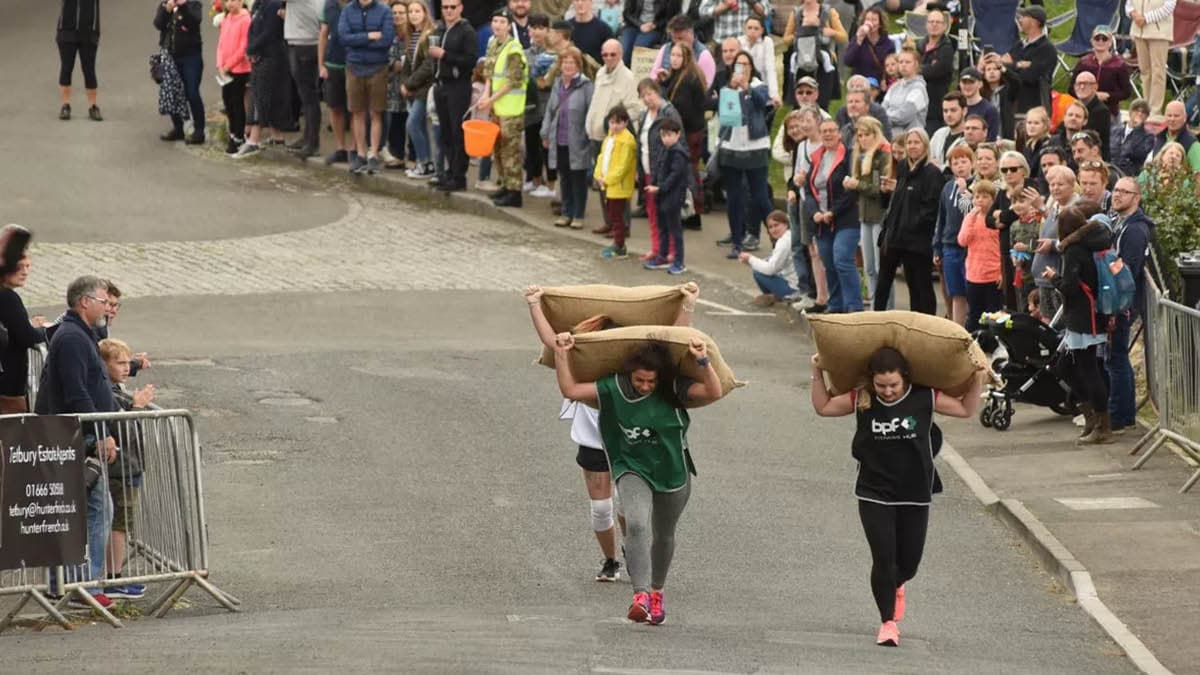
pixel 954 270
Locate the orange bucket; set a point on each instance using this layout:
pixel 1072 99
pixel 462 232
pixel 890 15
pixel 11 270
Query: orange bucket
pixel 480 137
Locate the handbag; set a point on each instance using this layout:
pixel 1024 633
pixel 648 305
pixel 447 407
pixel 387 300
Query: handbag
pixel 729 108
pixel 157 63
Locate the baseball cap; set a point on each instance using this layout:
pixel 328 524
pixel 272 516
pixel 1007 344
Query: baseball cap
pixel 1034 12
pixel 971 73
pixel 807 81
pixel 1102 29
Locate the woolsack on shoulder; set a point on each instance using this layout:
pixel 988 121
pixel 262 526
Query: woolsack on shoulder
pixel 602 353
pixel 942 354
pixel 566 306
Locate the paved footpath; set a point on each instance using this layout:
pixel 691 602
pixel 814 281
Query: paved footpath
pixel 1126 544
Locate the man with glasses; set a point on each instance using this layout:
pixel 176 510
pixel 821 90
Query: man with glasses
pixel 74 381
pixel 1110 70
pixel 1085 148
pixel 1132 238
pixel 614 85
pixel 1099 118
pixel 456 53
pixel 937 64
pixel 975 131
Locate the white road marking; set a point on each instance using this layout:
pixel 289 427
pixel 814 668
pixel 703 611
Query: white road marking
pixel 1104 503
pixel 724 310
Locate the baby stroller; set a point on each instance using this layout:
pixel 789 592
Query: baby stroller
pixel 1024 354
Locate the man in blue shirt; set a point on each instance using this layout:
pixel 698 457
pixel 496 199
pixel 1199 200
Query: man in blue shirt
pixel 367 32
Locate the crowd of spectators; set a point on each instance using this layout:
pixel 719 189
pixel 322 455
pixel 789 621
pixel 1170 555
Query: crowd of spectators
pixel 957 166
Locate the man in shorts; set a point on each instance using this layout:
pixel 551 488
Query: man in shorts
pixel 331 62
pixel 367 35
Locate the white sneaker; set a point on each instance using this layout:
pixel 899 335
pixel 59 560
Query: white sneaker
pixel 542 192
pixel 487 185
pixel 247 149
pixel 803 303
pixel 528 186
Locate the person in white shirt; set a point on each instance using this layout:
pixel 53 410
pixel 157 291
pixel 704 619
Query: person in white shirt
pixel 776 275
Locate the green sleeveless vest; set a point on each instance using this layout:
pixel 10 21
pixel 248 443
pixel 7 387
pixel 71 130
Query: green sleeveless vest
pixel 644 435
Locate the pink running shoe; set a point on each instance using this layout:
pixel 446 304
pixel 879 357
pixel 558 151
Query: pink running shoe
pixel 658 615
pixel 889 635
pixel 639 611
pixel 898 614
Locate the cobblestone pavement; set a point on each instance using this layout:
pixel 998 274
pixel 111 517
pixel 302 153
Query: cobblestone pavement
pixel 379 244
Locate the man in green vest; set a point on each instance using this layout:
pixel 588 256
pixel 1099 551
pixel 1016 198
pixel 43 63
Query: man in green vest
pixel 506 97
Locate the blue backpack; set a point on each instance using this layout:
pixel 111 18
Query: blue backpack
pixel 1116 286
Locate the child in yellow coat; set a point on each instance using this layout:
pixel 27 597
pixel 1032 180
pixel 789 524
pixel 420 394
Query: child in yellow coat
pixel 616 172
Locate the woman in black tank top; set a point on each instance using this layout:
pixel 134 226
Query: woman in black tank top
pixel 895 443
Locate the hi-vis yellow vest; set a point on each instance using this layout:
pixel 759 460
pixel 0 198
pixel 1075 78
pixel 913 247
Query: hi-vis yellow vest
pixel 511 104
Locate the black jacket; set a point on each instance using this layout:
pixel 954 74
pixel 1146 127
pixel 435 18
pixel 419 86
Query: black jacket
pixel 14 358
pixel 672 174
pixel 1129 152
pixel 1032 83
pixel 74 379
pixel 937 67
pixel 689 100
pixel 1100 121
pixel 79 21
pixel 179 31
pixel 1134 237
pixel 663 11
pixel 1077 279
pixel 912 214
pixel 266 31
pixel 462 50
pixel 653 138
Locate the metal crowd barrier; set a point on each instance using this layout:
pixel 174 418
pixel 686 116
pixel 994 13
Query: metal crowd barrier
pixel 1173 362
pixel 166 538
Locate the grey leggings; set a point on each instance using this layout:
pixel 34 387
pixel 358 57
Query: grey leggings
pixel 650 520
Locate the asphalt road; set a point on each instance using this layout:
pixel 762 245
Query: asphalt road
pixel 416 507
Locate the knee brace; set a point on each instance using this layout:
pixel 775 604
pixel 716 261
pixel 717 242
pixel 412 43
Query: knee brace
pixel 602 514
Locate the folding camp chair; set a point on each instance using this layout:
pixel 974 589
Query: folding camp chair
pixel 994 25
pixel 1088 15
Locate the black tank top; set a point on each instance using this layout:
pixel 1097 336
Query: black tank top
pixel 895 445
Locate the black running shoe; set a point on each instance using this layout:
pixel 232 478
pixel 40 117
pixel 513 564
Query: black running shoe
pixel 94 114
pixel 64 113
pixel 610 571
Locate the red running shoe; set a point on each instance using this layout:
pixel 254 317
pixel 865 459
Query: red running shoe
pixel 639 611
pixel 898 614
pixel 658 615
pixel 889 635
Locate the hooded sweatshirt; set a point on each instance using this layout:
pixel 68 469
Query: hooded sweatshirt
pixel 906 103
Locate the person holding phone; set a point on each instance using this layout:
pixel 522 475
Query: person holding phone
pixel 178 24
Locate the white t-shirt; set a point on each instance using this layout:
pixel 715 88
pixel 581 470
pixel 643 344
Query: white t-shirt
pixel 585 423
pixel 606 158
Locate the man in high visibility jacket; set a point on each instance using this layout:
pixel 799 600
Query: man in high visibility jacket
pixel 506 97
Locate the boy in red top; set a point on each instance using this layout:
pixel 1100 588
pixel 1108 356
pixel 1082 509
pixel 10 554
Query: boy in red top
pixel 983 255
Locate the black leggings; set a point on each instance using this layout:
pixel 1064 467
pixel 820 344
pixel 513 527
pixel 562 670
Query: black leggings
pixel 87 61
pixel 1081 369
pixel 234 96
pixel 896 535
pixel 918 274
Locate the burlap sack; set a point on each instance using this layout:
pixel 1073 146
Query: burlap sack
pixel 942 354
pixel 566 306
pixel 603 353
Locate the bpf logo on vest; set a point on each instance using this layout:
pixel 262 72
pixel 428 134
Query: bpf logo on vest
pixel 896 426
pixel 638 434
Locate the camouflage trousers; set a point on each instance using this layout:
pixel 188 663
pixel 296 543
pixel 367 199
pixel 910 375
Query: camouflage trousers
pixel 509 163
